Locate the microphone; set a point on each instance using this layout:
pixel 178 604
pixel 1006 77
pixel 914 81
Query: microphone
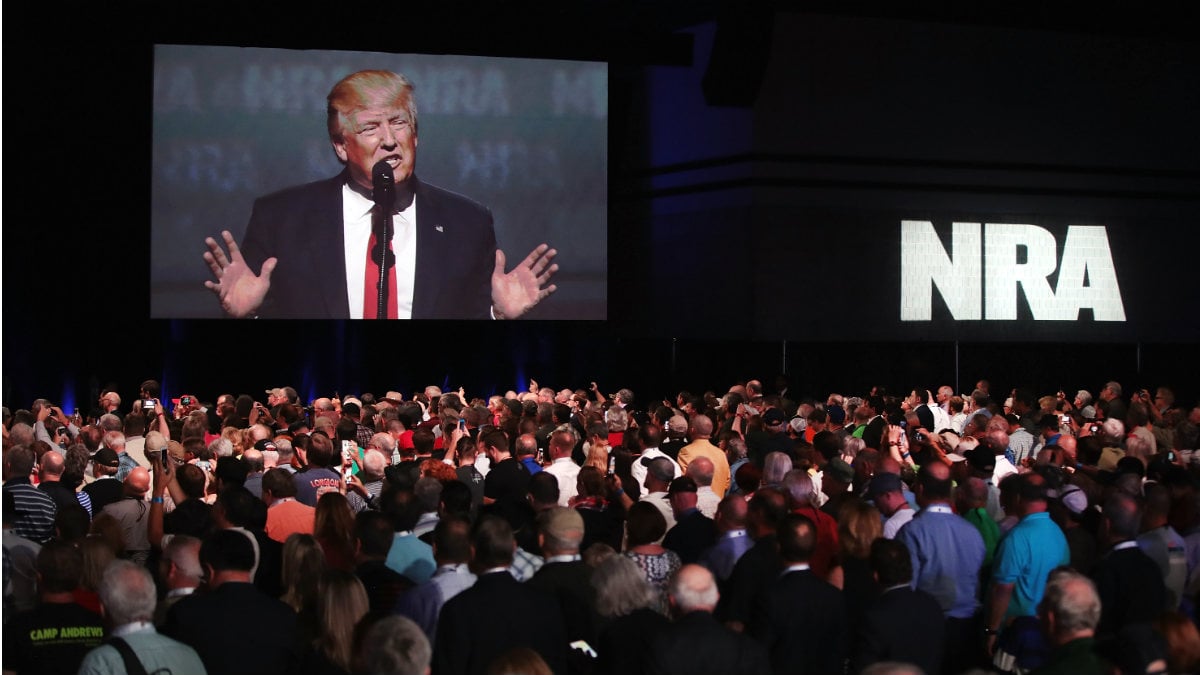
pixel 384 186
pixel 384 193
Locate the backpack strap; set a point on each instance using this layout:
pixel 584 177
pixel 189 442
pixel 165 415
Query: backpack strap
pixel 132 665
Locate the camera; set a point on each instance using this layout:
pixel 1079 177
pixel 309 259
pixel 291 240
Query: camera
pixel 185 400
pixel 147 404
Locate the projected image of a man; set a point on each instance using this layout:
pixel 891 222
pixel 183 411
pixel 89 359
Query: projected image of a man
pixel 307 249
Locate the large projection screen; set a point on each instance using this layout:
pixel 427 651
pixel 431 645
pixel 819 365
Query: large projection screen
pixel 526 138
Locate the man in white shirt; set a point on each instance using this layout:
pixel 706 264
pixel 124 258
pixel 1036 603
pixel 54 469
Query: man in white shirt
pixel 649 438
pixel 562 467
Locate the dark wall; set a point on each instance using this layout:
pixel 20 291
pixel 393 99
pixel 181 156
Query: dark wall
pixel 859 123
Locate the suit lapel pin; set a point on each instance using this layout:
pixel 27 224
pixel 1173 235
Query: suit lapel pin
pixel 438 228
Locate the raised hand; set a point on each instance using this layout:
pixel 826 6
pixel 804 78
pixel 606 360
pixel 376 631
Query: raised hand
pixel 240 290
pixel 516 292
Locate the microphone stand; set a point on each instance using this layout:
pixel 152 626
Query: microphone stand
pixel 384 194
pixel 385 237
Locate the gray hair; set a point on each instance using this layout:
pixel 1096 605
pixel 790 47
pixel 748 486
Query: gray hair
pixel 616 419
pixel 1074 600
pixel 396 646
pixel 155 441
pixel 385 442
pixel 283 447
pixel 128 593
pixel 800 486
pixel 114 440
pixel 1084 396
pixel 109 422
pixel 221 447
pixel 184 551
pixel 1114 387
pixel 21 434
pixel 852 446
pixel 1114 430
pixel 775 467
pixel 621 587
pixel 374 463
pixel 694 588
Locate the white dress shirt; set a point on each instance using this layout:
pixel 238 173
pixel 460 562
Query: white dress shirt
pixel 356 221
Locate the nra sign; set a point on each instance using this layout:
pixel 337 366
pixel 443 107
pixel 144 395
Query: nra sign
pixel 979 276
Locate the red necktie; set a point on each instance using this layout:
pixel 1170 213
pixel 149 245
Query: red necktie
pixel 371 286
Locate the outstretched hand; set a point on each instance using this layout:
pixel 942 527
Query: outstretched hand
pixel 240 290
pixel 518 291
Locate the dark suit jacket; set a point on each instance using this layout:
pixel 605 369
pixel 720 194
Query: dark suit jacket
pixel 697 644
pixel 1131 591
pixel 902 625
pixel 493 616
pixel 801 620
pixel 302 227
pixel 571 583
pixel 691 535
pixel 237 629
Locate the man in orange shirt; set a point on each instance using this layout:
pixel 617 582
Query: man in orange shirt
pixel 285 515
pixel 700 431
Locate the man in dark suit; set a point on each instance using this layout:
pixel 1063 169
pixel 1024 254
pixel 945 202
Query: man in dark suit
pixel 1130 587
pixel 498 613
pixel 876 433
pixel 693 531
pixel 315 238
pixel 696 644
pixel 233 626
pixel 568 578
pixel 902 624
pixel 802 619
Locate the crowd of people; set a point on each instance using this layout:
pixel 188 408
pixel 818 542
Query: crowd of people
pixel 574 532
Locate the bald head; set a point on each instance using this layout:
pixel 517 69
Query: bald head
pixel 701 470
pixel 997 441
pixel 1069 446
pixel 253 459
pixel 933 483
pixel 52 466
pixel 137 483
pixel 693 589
pixel 701 427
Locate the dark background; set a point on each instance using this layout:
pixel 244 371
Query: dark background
pixel 754 148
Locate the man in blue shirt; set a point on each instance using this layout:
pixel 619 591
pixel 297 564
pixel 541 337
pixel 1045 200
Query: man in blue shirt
pixel 1023 562
pixel 947 552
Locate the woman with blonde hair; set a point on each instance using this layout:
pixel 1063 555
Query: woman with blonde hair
pixel 859 525
pixel 303 565
pixel 341 605
pixel 333 528
pixel 235 437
